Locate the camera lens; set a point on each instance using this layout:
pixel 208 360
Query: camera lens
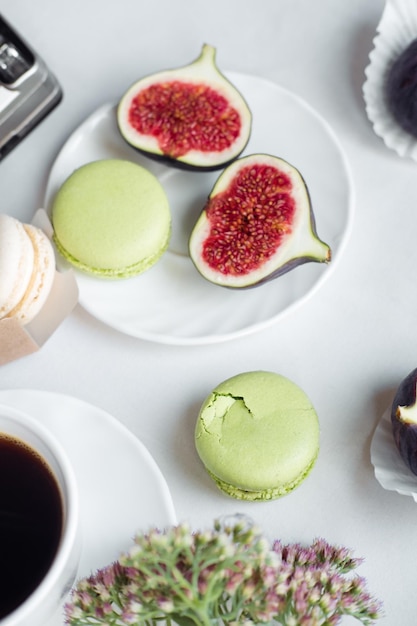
pixel 12 64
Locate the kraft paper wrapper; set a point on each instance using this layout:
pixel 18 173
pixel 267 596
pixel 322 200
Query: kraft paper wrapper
pixel 16 340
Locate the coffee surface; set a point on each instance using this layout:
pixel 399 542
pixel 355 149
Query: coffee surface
pixel 31 517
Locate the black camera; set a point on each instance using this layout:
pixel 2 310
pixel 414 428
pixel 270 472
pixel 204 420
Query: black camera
pixel 28 90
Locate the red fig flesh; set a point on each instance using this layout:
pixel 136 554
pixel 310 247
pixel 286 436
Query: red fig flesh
pixel 193 116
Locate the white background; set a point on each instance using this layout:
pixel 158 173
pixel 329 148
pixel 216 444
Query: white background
pixel 348 347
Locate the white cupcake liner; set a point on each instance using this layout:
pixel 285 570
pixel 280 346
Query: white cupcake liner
pixel 390 470
pixel 396 30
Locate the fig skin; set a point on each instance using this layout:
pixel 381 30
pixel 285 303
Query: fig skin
pixel 401 89
pixel 404 431
pixel 163 159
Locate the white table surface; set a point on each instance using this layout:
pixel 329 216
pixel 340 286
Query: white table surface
pixel 348 347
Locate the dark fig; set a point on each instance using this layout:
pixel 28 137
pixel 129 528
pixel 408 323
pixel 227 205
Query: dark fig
pixel 401 89
pixel 404 420
pixel 193 116
pixel 258 223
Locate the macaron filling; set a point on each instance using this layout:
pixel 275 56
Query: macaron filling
pixel 265 494
pixel 112 272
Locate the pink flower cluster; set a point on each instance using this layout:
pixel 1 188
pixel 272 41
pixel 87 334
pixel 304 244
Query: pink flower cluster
pixel 225 576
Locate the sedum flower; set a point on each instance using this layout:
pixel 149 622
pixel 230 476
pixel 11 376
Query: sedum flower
pixel 224 576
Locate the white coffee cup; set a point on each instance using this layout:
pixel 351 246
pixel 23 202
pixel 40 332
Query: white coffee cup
pixel 46 599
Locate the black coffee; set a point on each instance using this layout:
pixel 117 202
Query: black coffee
pixel 31 517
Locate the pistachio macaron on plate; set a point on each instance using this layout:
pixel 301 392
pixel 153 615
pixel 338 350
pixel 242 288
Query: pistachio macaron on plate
pixel 257 435
pixel 111 218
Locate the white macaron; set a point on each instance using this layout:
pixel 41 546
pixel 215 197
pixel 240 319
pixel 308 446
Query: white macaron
pixel 16 263
pixel 27 263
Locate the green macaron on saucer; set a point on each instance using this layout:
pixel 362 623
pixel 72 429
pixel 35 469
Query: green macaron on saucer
pixel 111 219
pixel 257 435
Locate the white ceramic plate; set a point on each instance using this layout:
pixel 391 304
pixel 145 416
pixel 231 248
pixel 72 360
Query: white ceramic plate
pixel 396 30
pixel 122 490
pixel 171 302
pixel 390 470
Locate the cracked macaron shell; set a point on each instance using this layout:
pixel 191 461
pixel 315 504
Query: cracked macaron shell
pixel 257 434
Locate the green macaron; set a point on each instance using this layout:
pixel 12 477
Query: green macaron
pixel 111 218
pixel 257 435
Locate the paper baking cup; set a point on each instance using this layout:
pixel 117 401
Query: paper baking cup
pixel 390 470
pixel 396 30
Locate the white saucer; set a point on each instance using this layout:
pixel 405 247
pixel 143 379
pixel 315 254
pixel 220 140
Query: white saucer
pixel 171 302
pixel 122 490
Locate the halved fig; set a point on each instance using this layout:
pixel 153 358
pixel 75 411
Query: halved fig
pixel 404 420
pixel 191 115
pixel 257 224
